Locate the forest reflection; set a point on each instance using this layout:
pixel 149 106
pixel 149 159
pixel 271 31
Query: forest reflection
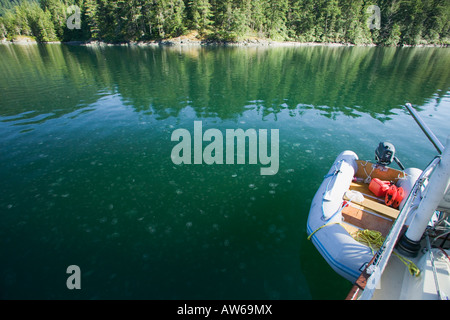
pixel 224 82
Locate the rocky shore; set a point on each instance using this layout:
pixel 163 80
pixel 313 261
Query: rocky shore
pixel 193 39
pixel 241 43
pixel 19 40
pixel 186 41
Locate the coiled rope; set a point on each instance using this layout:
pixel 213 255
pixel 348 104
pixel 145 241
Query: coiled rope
pixel 374 240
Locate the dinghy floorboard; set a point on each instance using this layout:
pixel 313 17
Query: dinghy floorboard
pixel 370 213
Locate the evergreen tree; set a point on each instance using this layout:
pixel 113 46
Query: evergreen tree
pixel 437 23
pixel 3 32
pixel 328 19
pixel 91 17
pixel 230 20
pixel 57 10
pixel 200 14
pixel 257 17
pixel 166 17
pixel 19 20
pixel 389 17
pixel 276 13
pixel 353 23
pixel 175 24
pixel 128 14
pixel 302 20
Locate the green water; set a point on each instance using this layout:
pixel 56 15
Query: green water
pixel 87 177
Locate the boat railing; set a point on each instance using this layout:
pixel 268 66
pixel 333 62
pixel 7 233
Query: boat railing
pixel 430 135
pixel 381 258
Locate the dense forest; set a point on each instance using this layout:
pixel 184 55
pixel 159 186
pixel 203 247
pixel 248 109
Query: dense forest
pixel 410 22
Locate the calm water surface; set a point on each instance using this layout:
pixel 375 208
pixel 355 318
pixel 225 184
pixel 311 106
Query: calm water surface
pixel 87 179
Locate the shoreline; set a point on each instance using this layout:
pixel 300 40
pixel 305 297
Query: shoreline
pixel 186 42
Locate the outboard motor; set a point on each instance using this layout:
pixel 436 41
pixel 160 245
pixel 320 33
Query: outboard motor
pixel 385 154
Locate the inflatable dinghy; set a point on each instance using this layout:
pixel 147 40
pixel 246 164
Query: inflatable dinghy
pixel 344 204
pixel 364 212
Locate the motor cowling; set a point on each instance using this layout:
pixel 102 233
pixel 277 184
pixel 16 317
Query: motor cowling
pixel 385 153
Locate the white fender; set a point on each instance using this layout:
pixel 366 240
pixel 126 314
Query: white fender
pixel 407 183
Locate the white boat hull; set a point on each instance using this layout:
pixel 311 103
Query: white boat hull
pixel 345 255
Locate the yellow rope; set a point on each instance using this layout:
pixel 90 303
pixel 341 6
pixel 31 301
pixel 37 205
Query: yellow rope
pixel 374 240
pixel 413 269
pixel 369 238
pixel 325 225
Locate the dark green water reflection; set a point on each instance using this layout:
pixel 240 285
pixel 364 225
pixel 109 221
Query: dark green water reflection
pixel 87 179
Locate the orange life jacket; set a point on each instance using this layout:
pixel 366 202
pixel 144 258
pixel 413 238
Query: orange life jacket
pixel 394 196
